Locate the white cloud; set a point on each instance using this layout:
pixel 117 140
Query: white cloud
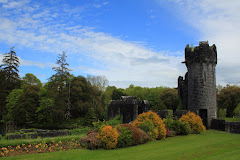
pixel 14 4
pixel 3 1
pixel 218 22
pixel 117 59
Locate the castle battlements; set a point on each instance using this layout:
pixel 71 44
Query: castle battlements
pixel 201 53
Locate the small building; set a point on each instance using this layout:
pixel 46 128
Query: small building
pixel 129 107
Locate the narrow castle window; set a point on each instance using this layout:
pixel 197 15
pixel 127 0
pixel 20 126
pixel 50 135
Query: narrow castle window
pixel 205 76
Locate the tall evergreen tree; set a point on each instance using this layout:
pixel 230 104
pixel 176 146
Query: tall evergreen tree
pixel 58 87
pixel 62 72
pixel 10 66
pixel 9 78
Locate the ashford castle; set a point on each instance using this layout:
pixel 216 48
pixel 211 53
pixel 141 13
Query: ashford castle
pixel 197 89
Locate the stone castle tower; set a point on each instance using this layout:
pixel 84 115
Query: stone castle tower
pixel 198 90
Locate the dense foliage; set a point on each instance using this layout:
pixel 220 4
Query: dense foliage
pixel 194 121
pixel 179 127
pixel 108 137
pixel 9 78
pixel 229 98
pixel 66 100
pixel 152 123
pixel 27 103
pixel 138 135
pixel 160 98
pixel 125 137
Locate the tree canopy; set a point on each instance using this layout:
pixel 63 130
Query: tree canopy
pixel 9 78
pixel 228 99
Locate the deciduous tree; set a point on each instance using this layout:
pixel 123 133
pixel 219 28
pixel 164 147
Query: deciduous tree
pixel 31 79
pixel 229 98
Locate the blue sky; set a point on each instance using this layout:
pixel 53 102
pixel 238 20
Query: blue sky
pixel 138 42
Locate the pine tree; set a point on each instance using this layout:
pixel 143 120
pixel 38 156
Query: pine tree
pixel 62 72
pixel 59 86
pixel 10 66
pixel 9 78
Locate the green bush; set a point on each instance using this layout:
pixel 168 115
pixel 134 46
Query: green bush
pixel 170 113
pixel 181 128
pixel 115 121
pixel 99 125
pixel 184 128
pixel 125 137
pixel 222 113
pixel 0 136
pixel 138 135
pixel 148 127
pixel 237 111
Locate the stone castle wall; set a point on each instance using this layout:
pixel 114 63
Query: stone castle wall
pixel 198 90
pixel 223 125
pixel 129 107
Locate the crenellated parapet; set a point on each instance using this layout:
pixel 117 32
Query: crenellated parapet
pixel 201 53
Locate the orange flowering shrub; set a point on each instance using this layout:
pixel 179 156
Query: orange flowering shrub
pixel 108 137
pixel 194 121
pixel 156 129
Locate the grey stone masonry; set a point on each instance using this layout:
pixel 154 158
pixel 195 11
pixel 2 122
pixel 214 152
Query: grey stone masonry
pixel 198 90
pixel 129 107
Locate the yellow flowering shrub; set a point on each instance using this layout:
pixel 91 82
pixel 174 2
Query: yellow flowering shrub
pixel 156 129
pixel 108 137
pixel 194 121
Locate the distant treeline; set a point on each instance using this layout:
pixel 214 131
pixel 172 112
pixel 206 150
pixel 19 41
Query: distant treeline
pixel 25 102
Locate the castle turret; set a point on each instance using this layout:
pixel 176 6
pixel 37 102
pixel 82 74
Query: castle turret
pixel 201 82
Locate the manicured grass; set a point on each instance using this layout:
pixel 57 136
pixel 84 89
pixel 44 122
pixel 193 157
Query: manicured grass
pixel 14 142
pixel 232 119
pixel 214 145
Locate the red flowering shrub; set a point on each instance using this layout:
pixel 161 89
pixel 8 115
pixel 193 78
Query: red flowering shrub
pixel 138 136
pixel 157 128
pixel 194 121
pixel 170 133
pixel 108 137
pixel 144 137
pixel 90 141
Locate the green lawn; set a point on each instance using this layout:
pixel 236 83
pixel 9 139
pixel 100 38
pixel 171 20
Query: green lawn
pixel 212 145
pixel 232 119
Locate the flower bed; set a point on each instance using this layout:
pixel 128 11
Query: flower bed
pixel 148 126
pixel 38 148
